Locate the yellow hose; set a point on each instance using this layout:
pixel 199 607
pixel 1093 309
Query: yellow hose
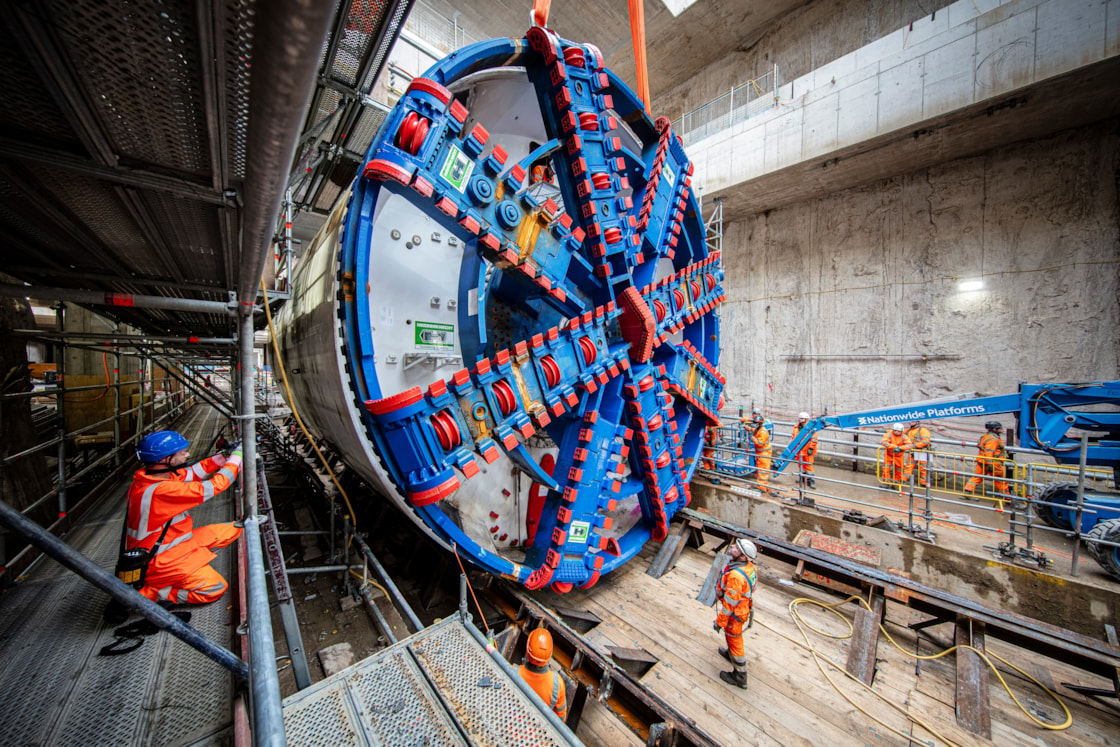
pixel 295 412
pixel 820 660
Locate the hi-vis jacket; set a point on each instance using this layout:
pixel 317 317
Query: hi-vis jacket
pixel 153 499
pixel 991 447
pixel 734 592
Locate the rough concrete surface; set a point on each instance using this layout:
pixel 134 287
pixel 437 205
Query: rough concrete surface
pixel 851 301
pixel 800 41
pixel 336 658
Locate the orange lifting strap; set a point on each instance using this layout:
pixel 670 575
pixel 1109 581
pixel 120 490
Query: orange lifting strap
pixel 540 12
pixel 638 36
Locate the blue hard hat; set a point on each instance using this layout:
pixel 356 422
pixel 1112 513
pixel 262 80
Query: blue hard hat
pixel 156 447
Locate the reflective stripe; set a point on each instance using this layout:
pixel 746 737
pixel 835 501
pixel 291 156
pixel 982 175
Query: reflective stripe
pixel 207 490
pixel 181 597
pixel 142 532
pixel 177 540
pixel 198 471
pixel 555 690
pixel 164 593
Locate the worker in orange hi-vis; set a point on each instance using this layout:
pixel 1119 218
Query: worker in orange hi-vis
pixel 711 438
pixel 762 448
pixel 990 459
pixel 920 442
pixel 807 455
pixel 159 502
pixel 895 447
pixel 735 595
pixel 549 685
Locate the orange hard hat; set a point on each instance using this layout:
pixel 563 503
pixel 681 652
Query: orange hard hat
pixel 538 649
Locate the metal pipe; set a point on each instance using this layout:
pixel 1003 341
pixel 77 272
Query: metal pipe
pixel 105 581
pixel 287 42
pixel 248 411
pixel 223 407
pixel 323 569
pixel 60 407
pixel 394 592
pixel 376 612
pixel 561 728
pixel 264 682
pixel 126 340
pixel 1080 503
pixel 464 615
pixel 115 299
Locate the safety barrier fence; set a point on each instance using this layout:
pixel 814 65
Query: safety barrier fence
pixel 70 447
pixel 740 103
pixel 1016 514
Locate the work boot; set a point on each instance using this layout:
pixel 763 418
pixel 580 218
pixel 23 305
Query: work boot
pixel 725 653
pixel 735 678
pixel 812 484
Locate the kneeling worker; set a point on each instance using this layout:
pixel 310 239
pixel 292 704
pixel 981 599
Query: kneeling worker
pixel 159 501
pixel 734 593
pixel 549 685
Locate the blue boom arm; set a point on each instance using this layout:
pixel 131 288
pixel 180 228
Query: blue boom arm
pixel 1045 413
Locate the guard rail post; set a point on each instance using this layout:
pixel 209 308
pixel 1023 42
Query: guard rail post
pixel 1080 503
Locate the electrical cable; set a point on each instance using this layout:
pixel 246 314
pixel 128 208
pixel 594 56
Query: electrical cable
pixel 486 625
pixel 371 582
pixel 987 657
pixel 295 411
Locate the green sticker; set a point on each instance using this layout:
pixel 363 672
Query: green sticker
pixel 457 168
pixel 579 531
pixel 435 336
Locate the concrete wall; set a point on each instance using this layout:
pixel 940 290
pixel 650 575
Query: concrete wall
pixel 861 283
pixel 965 55
pixel 799 42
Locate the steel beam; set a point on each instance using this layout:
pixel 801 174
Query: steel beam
pixel 127 596
pixel 643 711
pixel 282 589
pixel 974 708
pixel 17 150
pixel 1049 640
pixel 116 299
pixel 865 640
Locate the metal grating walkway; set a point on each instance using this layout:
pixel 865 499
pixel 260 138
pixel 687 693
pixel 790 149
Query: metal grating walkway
pixel 438 687
pixel 56 690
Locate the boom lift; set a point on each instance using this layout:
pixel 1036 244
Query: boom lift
pixel 1045 414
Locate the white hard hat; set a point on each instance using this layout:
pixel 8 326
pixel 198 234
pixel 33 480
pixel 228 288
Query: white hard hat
pixel 897 427
pixel 803 415
pixel 747 547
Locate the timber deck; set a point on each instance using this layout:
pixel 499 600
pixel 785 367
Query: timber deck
pixel 791 700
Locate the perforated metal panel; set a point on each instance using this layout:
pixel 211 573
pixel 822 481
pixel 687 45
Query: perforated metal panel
pixel 239 56
pixel 459 667
pixel 25 101
pixel 398 706
pixel 439 687
pixel 145 65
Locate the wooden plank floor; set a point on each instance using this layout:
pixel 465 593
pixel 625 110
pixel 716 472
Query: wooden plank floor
pixel 790 701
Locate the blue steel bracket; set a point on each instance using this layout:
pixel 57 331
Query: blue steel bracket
pixel 610 354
